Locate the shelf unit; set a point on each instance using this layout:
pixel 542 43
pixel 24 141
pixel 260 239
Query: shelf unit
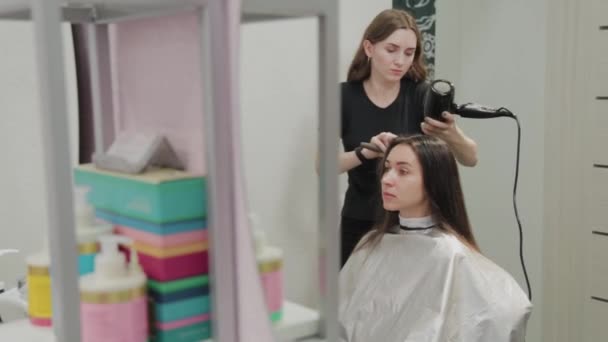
pixel 298 321
pixel 219 38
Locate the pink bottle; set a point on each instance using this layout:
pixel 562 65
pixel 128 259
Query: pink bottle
pixel 270 267
pixel 113 298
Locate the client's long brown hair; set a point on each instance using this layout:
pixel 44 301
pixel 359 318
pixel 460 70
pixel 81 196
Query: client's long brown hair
pixel 441 184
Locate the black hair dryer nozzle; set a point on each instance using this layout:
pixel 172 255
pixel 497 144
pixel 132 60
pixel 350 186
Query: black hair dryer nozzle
pixel 440 98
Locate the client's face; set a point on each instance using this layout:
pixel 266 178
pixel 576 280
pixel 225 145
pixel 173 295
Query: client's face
pixel 402 183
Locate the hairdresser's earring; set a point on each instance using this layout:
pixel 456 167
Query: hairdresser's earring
pixel 369 59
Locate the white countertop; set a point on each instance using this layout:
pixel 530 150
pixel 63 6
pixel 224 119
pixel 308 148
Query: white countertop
pixel 24 331
pixel 298 322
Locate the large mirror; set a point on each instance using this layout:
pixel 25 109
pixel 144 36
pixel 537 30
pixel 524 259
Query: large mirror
pixel 496 54
pixel 534 189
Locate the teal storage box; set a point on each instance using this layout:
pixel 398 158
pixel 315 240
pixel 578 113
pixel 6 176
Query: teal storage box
pixel 181 309
pixel 158 196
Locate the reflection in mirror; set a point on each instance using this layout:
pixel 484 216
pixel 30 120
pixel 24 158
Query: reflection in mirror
pixel 525 67
pixel 279 98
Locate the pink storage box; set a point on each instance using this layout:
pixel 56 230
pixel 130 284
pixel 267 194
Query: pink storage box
pixel 162 241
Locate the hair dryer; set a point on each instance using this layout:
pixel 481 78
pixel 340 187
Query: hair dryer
pixel 440 98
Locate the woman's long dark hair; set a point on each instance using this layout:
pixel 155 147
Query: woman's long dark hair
pixel 382 26
pixel 442 186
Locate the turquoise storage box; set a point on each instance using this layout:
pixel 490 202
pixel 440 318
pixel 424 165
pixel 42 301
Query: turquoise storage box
pixel 181 309
pixel 158 196
pixel 149 227
pixel 168 289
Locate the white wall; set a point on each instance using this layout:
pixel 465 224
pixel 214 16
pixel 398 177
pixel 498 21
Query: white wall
pixel 279 89
pixel 22 204
pixel 494 51
pixel 279 86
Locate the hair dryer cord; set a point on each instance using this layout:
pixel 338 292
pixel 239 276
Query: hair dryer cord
pixel 521 234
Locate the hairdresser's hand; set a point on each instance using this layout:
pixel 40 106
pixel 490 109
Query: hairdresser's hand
pixel 381 140
pixel 445 130
pixel 463 147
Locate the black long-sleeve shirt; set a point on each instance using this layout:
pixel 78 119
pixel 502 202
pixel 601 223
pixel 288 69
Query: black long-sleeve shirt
pixel 361 120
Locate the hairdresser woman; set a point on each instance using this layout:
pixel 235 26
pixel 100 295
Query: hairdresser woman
pixel 382 97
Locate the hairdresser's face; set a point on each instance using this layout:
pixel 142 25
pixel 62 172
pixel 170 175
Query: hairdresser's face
pixel 403 185
pixel 392 57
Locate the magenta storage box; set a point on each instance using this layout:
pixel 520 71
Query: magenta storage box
pixel 176 267
pixel 173 268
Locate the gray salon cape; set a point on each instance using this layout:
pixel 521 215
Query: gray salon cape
pixel 427 286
